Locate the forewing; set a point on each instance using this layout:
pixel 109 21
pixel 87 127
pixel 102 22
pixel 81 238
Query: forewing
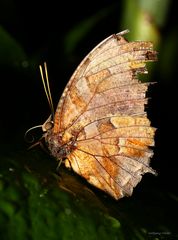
pixel 105 84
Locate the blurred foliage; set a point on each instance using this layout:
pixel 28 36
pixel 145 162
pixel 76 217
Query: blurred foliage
pixel 79 31
pixel 11 52
pixel 145 18
pixel 36 203
pixel 33 205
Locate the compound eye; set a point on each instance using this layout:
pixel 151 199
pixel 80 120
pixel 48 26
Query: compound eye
pixel 48 125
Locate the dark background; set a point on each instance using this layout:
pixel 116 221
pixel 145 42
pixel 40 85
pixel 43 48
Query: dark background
pixel 62 33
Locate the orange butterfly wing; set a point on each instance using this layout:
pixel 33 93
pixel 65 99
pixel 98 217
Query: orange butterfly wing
pixel 102 107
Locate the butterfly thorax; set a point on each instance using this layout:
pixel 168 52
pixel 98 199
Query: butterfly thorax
pixel 59 148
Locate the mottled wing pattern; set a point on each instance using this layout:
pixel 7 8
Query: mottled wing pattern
pixel 103 107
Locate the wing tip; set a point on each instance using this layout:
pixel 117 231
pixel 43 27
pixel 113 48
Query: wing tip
pixel 123 32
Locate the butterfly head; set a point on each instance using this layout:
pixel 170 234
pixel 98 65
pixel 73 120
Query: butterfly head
pixel 45 127
pixel 48 124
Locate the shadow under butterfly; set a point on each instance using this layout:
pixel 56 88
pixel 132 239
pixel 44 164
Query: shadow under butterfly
pixel 100 128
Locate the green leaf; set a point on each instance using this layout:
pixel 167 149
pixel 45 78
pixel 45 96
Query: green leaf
pixel 32 207
pixel 11 53
pixel 140 17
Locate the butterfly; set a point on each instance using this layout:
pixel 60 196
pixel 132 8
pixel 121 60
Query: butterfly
pixel 100 128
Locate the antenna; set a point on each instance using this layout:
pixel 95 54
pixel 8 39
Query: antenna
pixel 48 123
pixel 45 80
pixel 29 130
